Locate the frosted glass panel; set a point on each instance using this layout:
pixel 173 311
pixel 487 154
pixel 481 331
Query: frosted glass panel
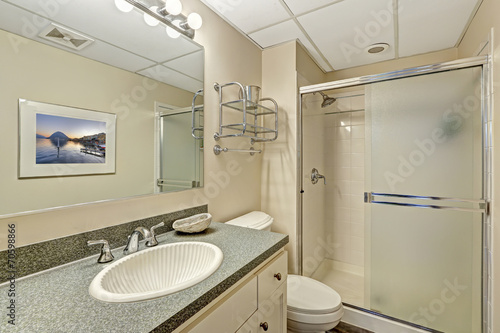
pixel 426 267
pixel 426 139
pixel 426 134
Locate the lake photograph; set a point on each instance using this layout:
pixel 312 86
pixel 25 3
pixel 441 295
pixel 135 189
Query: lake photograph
pixel 64 140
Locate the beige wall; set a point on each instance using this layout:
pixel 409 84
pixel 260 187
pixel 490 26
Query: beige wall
pixel 279 160
pixel 473 41
pixel 232 181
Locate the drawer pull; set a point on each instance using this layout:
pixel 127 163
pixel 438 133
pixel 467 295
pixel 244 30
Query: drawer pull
pixel 264 326
pixel 278 276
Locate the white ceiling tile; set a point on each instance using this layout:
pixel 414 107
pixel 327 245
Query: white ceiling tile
pixel 173 78
pixel 287 31
pixel 300 6
pixel 429 25
pixel 191 64
pixel 124 30
pixel 348 27
pixel 250 15
pixel 13 19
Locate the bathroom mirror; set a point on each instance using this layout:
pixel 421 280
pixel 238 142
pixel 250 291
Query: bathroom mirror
pixel 89 55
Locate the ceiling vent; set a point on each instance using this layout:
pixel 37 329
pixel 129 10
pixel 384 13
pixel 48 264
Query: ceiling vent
pixel 63 36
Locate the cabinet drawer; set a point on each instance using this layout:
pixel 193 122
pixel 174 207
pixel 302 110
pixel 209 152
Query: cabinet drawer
pixel 231 314
pixel 272 276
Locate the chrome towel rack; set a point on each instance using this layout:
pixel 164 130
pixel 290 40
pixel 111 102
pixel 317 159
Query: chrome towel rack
pixel 218 149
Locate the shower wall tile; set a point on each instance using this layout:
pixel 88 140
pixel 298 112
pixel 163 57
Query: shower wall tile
pixel 344 152
pixel 357 243
pixel 358 132
pixel 342 228
pixel 357 187
pixel 358 118
pixel 357 216
pixel 342 214
pixel 357 160
pixel 341 254
pixel 343 119
pixel 343 133
pixel 356 202
pixel 342 187
pixel 343 104
pixel 342 173
pixel 340 159
pixel 358 103
pixel 329 122
pixel 357 173
pixel 341 201
pixel 357 229
pixel 358 258
pixel 357 145
pixel 343 146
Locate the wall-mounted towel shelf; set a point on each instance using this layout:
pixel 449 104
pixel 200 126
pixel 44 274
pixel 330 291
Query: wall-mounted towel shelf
pixel 253 112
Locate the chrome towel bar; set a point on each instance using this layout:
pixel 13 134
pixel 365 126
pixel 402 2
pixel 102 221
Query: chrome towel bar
pixel 218 149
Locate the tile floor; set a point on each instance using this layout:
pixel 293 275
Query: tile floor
pixel 346 328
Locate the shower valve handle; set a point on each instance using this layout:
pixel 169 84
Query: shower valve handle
pixel 315 176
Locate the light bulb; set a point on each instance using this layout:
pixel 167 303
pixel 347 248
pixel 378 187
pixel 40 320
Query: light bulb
pixel 172 33
pixel 194 21
pixel 123 5
pixel 173 7
pixel 150 20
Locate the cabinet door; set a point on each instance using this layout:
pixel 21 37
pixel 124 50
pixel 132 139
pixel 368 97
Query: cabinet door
pixel 232 312
pixel 271 315
pixel 272 276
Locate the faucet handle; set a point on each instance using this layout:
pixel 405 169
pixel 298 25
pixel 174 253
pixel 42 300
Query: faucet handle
pixel 106 255
pixel 153 241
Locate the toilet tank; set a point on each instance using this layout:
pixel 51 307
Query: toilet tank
pixel 255 220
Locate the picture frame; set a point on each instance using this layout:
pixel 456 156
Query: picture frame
pixel 57 140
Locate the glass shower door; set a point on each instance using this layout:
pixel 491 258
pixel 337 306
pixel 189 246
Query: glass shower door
pixel 424 175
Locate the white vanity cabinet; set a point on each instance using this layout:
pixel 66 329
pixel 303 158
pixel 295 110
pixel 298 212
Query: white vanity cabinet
pixel 257 304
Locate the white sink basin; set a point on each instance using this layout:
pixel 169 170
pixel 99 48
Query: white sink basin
pixel 156 272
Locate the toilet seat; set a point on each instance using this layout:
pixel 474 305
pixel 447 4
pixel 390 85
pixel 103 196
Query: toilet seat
pixel 254 220
pixel 308 296
pixel 320 319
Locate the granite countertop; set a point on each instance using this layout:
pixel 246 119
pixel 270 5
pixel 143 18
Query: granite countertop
pixel 57 300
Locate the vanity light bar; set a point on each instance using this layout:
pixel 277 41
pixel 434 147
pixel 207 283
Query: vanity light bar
pixel 185 25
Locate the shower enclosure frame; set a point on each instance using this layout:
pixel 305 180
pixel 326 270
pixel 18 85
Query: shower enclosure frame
pixel 479 61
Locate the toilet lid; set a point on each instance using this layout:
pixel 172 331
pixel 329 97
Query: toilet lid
pixel 306 295
pixel 252 220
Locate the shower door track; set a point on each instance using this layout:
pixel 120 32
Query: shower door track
pixel 479 61
pixel 415 71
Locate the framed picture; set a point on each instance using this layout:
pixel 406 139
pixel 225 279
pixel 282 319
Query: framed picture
pixel 57 140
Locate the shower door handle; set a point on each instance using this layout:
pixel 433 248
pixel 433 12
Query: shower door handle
pixel 315 176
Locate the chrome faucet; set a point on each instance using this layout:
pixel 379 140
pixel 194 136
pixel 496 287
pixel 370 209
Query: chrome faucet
pixel 149 236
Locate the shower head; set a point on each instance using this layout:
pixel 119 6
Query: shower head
pixel 327 100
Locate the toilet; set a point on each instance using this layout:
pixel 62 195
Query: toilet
pixel 311 305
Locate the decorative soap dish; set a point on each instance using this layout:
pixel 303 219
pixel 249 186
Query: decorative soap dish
pixel 192 224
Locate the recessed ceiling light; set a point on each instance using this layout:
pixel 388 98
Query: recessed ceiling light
pixel 377 48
